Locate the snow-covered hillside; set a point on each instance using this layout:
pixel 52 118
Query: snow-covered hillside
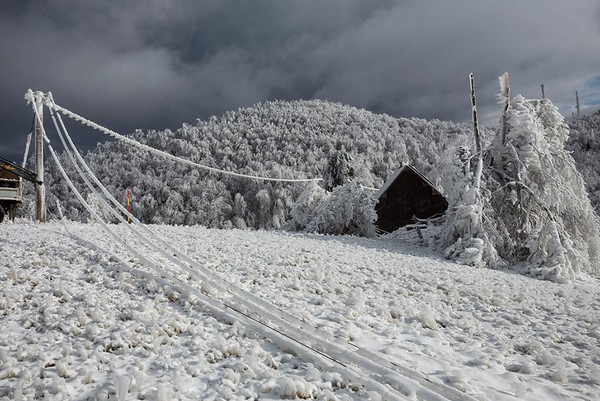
pixel 584 142
pixel 81 318
pixel 274 139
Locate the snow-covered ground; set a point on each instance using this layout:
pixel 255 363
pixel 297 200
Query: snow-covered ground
pixel 81 319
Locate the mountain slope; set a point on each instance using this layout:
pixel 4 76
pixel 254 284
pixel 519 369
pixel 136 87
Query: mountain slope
pixel 584 142
pixel 274 139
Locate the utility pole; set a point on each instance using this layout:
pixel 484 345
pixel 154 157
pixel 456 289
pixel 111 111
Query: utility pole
pixel 506 92
pixel 474 112
pixel 543 93
pixel 479 170
pixel 40 189
pixel 577 105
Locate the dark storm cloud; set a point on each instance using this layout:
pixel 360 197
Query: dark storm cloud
pixel 158 63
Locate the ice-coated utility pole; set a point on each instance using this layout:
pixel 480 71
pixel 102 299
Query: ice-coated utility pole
pixel 506 92
pixel 577 105
pixel 39 158
pixel 543 93
pixel 479 170
pixel 474 110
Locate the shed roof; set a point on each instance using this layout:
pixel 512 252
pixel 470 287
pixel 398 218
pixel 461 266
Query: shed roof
pixel 407 195
pixel 392 178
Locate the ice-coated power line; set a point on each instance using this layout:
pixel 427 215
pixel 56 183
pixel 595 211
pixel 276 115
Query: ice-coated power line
pixel 53 106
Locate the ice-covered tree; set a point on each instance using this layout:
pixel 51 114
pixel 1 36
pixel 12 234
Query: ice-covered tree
pixel 584 143
pixel 240 211
pixel 338 170
pixel 303 210
pixel 541 206
pixel 264 216
pixel 96 205
pixel 530 208
pixel 464 236
pixel 347 210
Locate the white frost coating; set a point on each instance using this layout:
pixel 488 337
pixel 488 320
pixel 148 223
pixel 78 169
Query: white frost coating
pixel 486 342
pixel 122 385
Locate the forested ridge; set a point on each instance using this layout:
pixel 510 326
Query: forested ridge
pixel 273 139
pixel 584 142
pixel 526 207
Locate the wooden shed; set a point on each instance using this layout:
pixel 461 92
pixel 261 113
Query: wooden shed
pixel 11 186
pixel 405 195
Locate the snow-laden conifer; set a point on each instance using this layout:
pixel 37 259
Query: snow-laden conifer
pixel 303 210
pixel 338 170
pixel 240 211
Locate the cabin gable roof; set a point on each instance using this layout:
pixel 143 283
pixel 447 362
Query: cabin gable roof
pixel 407 194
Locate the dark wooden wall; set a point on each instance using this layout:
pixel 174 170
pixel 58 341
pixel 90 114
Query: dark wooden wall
pixel 408 196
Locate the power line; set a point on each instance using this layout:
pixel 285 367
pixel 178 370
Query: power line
pixel 53 106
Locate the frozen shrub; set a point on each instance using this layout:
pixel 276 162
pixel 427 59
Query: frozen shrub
pixel 347 210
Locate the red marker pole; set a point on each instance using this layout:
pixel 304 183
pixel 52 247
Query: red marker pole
pixel 128 194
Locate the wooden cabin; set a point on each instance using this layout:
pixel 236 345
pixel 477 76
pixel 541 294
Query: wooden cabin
pixel 407 195
pixel 11 186
pixel 11 191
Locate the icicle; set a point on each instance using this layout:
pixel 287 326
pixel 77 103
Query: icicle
pixel 26 154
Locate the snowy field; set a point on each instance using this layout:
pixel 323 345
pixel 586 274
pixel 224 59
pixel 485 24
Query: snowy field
pixel 83 319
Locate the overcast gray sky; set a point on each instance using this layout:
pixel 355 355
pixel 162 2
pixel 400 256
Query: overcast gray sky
pixel 159 63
